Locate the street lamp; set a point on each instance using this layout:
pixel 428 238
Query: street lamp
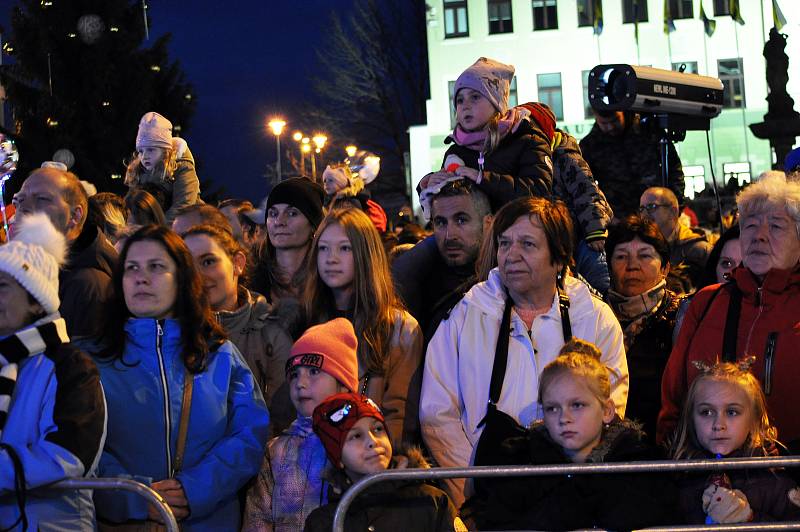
pixel 350 150
pixel 306 148
pixel 319 141
pixel 277 125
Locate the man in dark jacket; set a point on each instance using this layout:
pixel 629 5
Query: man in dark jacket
pixel 429 275
pixel 625 160
pixel 85 280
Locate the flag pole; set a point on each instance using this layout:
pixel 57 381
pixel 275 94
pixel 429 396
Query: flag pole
pixel 713 160
pixel 744 118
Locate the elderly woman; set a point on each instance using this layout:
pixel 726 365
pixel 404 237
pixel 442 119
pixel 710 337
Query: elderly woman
pixel 522 312
pixel 638 257
pixel 756 314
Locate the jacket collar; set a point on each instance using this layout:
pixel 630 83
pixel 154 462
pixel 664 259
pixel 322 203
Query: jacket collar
pixel 775 282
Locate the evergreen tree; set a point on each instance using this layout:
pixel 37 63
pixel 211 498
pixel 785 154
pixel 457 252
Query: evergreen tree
pixel 81 79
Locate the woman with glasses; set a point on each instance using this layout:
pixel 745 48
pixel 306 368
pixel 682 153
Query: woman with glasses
pixel 638 258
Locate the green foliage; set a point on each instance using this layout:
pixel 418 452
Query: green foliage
pixel 100 88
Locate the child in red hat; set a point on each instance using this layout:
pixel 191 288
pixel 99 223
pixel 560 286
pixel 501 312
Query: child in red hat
pixel 289 486
pixel 353 431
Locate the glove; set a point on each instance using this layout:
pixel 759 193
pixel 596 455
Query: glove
pixel 726 506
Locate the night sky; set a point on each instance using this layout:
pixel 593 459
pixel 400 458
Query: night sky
pixel 247 60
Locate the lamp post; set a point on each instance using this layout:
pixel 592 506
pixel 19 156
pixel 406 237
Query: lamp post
pixel 305 148
pixel 277 125
pixel 319 141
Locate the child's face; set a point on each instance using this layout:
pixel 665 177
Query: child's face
pixel 574 416
pixel 150 157
pixel 473 110
pixel 723 416
pixel 335 258
pixel 309 386
pixel 367 448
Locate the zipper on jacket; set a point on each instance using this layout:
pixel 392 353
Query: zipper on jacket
pixel 760 302
pixel 769 361
pixel 165 389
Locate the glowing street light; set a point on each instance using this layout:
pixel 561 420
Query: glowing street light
pixel 319 140
pixel 277 125
pixel 350 150
pixel 297 136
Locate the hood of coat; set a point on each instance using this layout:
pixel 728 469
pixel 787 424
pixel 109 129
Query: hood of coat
pixel 490 296
pixel 252 313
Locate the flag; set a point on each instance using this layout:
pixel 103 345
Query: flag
pixel 778 20
pixel 636 20
pixel 597 17
pixel 735 11
pixel 669 22
pixel 709 24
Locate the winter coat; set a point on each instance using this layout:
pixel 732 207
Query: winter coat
pixel 625 166
pixel 290 484
pixel 520 166
pixel 227 432
pixel 359 197
pixel 182 187
pixel 423 280
pixel 567 502
pixel 401 505
pixel 690 248
pixel 265 346
pixel 85 286
pixel 397 390
pixel 56 424
pixel 766 491
pixel 647 356
pixel 768 330
pixel 459 359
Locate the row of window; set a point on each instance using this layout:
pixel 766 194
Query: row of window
pixel 545 14
pixel 730 72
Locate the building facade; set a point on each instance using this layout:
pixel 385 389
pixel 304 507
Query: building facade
pixel 553 46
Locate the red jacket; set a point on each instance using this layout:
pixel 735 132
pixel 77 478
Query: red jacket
pixel 770 314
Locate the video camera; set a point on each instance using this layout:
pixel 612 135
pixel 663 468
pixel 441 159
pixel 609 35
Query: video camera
pixel 690 100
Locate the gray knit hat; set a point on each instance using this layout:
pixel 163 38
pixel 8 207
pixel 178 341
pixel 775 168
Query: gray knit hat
pixel 155 131
pixel 490 78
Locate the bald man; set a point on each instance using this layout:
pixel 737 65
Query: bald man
pixel 85 286
pixel 688 247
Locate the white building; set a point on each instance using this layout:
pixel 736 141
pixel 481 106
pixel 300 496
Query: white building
pixel 552 45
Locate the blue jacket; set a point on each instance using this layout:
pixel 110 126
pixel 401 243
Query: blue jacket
pixel 56 424
pixel 227 432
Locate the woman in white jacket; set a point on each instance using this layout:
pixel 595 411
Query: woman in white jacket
pixel 531 245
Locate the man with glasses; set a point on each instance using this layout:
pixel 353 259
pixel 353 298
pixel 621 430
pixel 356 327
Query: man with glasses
pixel 688 247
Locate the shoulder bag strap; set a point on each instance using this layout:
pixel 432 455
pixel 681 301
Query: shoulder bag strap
pixel 563 306
pixel 501 354
pixel 183 428
pixel 732 325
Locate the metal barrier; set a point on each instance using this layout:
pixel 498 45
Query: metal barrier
pixel 579 469
pixel 126 485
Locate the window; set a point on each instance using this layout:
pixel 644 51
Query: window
pixel 691 66
pixel 545 15
pixel 500 20
pixel 587 108
pixel 731 74
pixel 633 10
pixel 694 180
pixel 550 92
pixel 455 18
pixel 451 85
pixel 512 93
pixel 681 9
pixel 738 171
pixel 586 11
pixel 722 7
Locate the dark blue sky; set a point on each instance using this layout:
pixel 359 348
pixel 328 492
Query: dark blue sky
pixel 247 60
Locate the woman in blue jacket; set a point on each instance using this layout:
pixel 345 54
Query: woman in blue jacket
pixel 165 361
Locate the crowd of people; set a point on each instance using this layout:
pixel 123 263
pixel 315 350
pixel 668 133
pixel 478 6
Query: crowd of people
pixel 250 364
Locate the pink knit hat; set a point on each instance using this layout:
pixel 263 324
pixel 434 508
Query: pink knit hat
pixel 331 347
pixel 490 78
pixel 155 131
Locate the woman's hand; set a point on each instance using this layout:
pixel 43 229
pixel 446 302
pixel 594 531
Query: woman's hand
pixel 173 493
pixel 469 173
pixel 434 178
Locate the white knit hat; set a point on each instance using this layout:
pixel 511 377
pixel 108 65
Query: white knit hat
pixel 155 131
pixel 33 258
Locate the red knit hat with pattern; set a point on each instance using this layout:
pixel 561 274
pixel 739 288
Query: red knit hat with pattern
pixel 335 416
pixel 331 347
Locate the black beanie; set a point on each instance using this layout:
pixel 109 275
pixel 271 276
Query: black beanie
pixel 302 194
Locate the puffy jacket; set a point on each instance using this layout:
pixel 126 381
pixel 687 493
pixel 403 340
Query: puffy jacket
pixel 290 484
pixel 56 424
pixel 520 166
pixel 265 346
pixel 228 426
pixel 768 330
pixel 458 366
pixel 182 187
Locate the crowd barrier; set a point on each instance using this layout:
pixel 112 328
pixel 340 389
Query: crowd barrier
pixel 581 469
pixel 126 485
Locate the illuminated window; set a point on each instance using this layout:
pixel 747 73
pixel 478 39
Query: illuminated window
pixel 550 92
pixel 500 20
pixel 691 66
pixel 694 180
pixel 455 18
pixel 545 15
pixel 587 108
pixel 738 171
pixel 731 74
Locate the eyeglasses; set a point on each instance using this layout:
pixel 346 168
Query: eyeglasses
pixel 650 207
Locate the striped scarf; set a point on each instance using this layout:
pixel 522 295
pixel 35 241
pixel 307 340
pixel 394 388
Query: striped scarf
pixel 50 331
